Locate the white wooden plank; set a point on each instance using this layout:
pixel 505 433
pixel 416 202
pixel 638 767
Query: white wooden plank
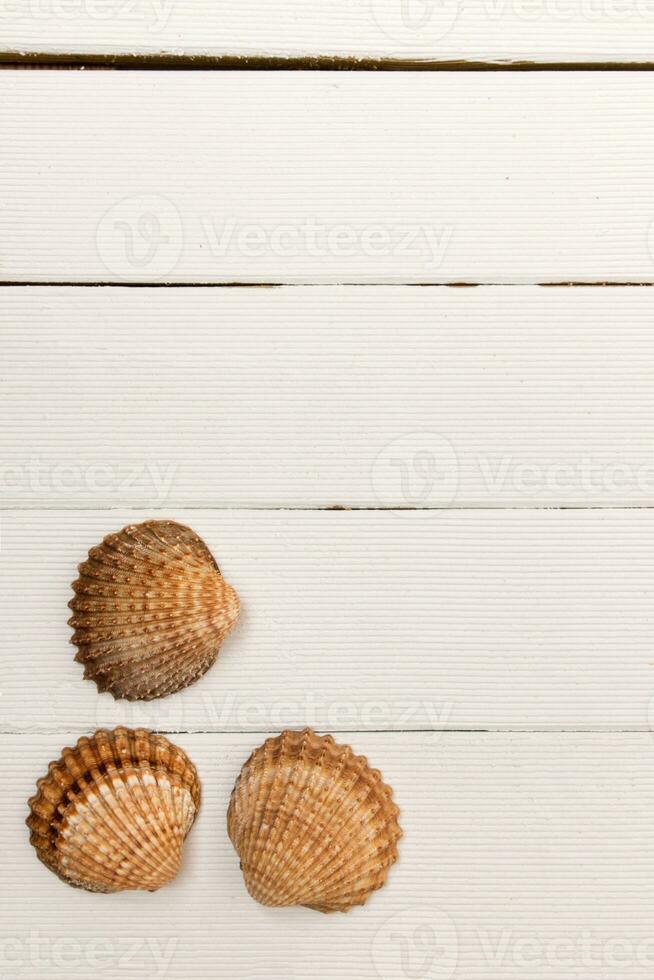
pixel 308 397
pixel 365 620
pixel 322 177
pixel 486 30
pixel 526 854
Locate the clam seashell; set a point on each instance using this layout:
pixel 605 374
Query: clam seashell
pixel 113 812
pixel 150 611
pixel 312 823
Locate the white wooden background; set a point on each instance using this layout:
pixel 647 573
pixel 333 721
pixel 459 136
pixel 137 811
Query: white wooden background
pixel 435 502
pixel 500 31
pixel 324 177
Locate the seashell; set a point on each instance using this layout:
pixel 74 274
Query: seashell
pixel 150 611
pixel 312 823
pixel 113 812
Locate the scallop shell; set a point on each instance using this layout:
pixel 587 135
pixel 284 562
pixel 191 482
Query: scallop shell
pixel 312 823
pixel 113 812
pixel 150 611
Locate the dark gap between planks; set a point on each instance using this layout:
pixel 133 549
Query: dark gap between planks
pixel 105 284
pixel 152 62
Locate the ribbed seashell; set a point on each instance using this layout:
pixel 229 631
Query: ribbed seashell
pixel 113 812
pixel 150 611
pixel 312 823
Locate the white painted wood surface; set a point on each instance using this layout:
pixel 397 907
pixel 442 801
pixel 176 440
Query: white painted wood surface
pixel 326 177
pixel 492 656
pixel 309 397
pixel 365 620
pixel 526 854
pixel 479 30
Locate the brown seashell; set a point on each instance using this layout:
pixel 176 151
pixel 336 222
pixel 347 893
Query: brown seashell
pixel 312 823
pixel 150 611
pixel 112 813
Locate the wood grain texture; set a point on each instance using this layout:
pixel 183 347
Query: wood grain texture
pixel 521 853
pixel 323 396
pixel 365 620
pixel 481 30
pixel 495 664
pixel 321 177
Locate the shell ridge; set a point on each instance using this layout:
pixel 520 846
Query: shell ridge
pixel 143 618
pixel 297 748
pixel 128 775
pixel 359 833
pixel 291 857
pixel 150 610
pixel 250 783
pixel 124 652
pixel 319 833
pixel 131 835
pixel 175 798
pixel 113 812
pixel 265 759
pixel 320 855
pixel 101 811
pixel 319 830
pixel 198 550
pixel 258 766
pixel 137 672
pixel 307 740
pixel 368 864
pixel 157 820
pixel 114 827
pixel 287 813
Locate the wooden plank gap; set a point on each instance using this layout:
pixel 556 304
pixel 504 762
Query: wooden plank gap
pixel 186 62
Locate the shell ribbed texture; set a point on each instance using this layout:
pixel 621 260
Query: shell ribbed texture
pixel 113 812
pixel 312 823
pixel 150 611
